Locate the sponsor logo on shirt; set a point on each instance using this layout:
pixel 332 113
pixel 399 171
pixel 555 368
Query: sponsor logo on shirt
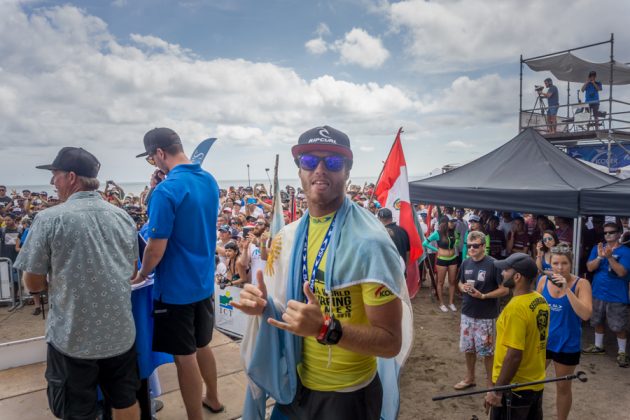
pixel 382 292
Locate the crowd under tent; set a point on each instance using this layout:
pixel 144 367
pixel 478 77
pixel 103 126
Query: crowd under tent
pixel 576 126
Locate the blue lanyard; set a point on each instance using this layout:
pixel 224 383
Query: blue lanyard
pixel 320 254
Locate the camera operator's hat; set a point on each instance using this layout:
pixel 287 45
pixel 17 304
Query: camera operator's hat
pixel 159 138
pixel 323 139
pixel 75 159
pixel 521 263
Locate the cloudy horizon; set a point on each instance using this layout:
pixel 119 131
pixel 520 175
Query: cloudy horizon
pixel 99 74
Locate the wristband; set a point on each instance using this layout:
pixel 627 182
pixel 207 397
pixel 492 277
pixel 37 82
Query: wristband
pixel 324 329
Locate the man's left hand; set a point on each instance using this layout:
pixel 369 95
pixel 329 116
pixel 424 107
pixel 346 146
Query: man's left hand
pixel 138 278
pixel 492 400
pixel 608 252
pixel 303 319
pixel 474 293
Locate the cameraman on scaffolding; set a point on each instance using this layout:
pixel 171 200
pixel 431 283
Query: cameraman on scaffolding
pixel 553 103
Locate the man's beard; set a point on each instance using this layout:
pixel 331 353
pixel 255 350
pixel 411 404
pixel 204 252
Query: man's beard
pixel 509 283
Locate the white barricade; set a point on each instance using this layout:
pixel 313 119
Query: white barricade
pixel 227 318
pixel 6 288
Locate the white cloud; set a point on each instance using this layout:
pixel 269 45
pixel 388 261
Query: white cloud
pixel 366 148
pixel 359 47
pixel 119 3
pixel 464 35
pixel 458 144
pixel 316 46
pixel 66 80
pixel 487 99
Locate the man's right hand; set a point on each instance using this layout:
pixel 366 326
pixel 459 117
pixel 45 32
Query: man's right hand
pixel 253 299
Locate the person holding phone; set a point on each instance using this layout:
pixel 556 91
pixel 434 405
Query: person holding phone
pixel 543 251
pixel 570 300
pixel 591 89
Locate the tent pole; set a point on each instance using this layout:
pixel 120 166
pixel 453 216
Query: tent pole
pixel 612 60
pixel 568 97
pixel 577 238
pixel 520 99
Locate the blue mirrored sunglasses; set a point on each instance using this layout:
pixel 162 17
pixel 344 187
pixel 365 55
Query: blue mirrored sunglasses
pixel 333 163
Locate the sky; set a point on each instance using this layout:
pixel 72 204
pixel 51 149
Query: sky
pixel 257 73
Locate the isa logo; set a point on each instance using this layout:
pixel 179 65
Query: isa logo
pixel 225 301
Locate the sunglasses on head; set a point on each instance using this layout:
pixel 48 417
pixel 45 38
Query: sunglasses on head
pixel 333 163
pixel 474 246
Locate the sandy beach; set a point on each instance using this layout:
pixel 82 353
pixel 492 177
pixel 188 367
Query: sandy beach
pixel 435 364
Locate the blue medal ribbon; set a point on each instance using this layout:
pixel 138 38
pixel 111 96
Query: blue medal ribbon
pixel 320 254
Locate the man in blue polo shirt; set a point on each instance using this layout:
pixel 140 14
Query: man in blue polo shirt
pixel 611 264
pixel 182 241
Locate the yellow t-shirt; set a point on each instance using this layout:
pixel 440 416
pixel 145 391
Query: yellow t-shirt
pixel 524 325
pixel 347 368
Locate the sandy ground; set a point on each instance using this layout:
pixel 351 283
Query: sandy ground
pixel 20 324
pixel 435 365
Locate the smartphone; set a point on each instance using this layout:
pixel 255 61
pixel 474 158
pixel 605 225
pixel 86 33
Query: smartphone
pixel 246 231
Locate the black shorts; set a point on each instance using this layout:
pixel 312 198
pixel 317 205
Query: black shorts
pixel 445 263
pixel 526 405
pixel 365 403
pixel 569 359
pixel 594 108
pixel 72 383
pixel 182 329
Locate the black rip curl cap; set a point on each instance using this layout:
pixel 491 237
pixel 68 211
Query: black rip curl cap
pixel 75 159
pixel 323 139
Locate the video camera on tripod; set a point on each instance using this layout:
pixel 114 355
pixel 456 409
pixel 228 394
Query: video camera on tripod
pixel 538 89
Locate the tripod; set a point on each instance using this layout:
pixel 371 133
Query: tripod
pixel 580 376
pixel 538 104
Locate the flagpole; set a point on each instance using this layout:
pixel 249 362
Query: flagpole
pixel 400 130
pixel 275 188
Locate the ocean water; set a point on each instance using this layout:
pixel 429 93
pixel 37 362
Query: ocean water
pixel 137 187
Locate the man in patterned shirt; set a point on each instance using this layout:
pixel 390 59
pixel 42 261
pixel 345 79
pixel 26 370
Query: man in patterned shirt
pixel 88 249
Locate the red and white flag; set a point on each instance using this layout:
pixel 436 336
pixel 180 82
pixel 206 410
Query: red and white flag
pixel 392 191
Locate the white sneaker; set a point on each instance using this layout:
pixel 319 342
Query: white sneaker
pixel 443 308
pixel 452 307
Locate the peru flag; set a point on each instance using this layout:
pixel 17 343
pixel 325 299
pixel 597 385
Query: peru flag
pixel 392 191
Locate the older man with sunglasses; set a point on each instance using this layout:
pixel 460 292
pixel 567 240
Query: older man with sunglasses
pixel 336 302
pixel 611 264
pixel 481 286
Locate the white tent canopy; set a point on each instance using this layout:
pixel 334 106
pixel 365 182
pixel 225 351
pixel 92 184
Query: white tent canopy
pixel 569 68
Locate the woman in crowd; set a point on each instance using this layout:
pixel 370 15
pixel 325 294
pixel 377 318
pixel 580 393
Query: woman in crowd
pixel 571 301
pixel 543 251
pixel 447 260
pixel 235 274
pixel 518 238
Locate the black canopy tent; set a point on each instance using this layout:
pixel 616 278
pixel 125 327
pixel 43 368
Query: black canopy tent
pixel 612 199
pixel 525 174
